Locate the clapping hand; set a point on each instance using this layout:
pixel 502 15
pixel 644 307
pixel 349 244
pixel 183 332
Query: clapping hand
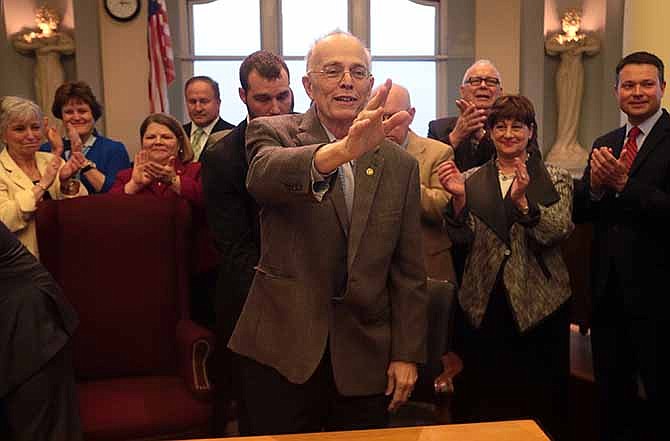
pixel 164 173
pixel 76 144
pixel 50 172
pixel 520 184
pixel 453 181
pixel 608 171
pixel 54 138
pixel 76 161
pixel 451 178
pixel 470 121
pixel 142 174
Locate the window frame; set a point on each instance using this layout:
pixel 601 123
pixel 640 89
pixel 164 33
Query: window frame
pixel 358 22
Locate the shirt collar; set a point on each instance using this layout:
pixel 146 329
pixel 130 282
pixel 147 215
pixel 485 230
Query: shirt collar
pixel 207 129
pixel 647 124
pixel 91 140
pixel 405 142
pixel 331 137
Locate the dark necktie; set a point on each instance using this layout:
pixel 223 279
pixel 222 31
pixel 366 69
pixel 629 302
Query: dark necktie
pixel 631 146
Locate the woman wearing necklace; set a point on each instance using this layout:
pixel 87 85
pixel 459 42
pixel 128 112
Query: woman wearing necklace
pixel 512 323
pixel 76 105
pixel 28 176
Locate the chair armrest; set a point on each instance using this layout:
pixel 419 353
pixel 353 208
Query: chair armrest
pixel 195 345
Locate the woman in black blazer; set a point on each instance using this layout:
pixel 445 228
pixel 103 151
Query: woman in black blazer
pixel 512 323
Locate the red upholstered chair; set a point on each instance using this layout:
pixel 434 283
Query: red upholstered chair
pixel 139 361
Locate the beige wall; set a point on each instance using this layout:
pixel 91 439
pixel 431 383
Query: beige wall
pixel 646 28
pixel 497 38
pixel 124 74
pixel 17 70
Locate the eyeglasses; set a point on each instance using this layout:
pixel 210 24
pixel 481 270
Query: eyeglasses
pixel 336 73
pixel 477 81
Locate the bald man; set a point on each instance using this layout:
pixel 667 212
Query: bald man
pixel 335 321
pixel 434 198
pixel 437 246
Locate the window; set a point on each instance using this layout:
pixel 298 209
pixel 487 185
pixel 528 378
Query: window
pixel 298 34
pixel 219 50
pixel 407 54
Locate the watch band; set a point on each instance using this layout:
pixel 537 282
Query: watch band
pixel 89 166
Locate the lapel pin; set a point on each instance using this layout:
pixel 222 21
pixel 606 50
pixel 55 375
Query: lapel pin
pixel 369 171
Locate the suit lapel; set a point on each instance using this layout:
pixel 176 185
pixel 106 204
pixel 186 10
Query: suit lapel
pixel 310 131
pixel 369 169
pixel 414 145
pixel 15 173
pixel 541 189
pixel 653 140
pixel 485 200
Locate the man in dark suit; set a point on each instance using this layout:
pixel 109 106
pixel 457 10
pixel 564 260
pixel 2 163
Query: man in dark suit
pixel 335 320
pixel 625 193
pixel 38 395
pixel 480 87
pixel 203 101
pixel 233 214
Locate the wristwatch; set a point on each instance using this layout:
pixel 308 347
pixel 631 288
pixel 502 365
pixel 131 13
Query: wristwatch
pixel 90 165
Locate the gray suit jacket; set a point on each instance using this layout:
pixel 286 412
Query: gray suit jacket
pixel 355 285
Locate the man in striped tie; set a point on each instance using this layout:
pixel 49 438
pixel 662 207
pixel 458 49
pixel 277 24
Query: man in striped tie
pixel 203 101
pixel 626 195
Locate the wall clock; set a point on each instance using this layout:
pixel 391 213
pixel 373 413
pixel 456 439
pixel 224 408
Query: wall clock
pixel 122 10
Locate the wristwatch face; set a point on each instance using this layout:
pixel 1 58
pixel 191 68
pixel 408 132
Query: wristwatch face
pixel 122 10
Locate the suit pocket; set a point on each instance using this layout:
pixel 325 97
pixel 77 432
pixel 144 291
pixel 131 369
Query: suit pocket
pixel 275 297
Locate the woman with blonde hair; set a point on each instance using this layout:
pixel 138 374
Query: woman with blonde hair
pixel 27 176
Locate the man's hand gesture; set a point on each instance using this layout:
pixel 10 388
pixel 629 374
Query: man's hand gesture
pixel 368 129
pixel 470 122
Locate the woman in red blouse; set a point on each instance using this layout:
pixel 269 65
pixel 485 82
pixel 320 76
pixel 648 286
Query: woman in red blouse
pixel 164 165
pixel 164 168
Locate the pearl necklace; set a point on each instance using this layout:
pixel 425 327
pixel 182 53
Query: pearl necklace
pixel 503 176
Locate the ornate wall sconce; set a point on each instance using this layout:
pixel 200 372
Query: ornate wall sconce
pixel 48 43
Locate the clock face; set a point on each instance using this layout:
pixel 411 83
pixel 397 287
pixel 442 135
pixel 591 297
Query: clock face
pixel 122 10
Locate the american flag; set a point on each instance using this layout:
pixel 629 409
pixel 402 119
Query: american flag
pixel 161 62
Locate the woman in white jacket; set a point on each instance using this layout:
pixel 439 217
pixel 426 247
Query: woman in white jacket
pixel 27 175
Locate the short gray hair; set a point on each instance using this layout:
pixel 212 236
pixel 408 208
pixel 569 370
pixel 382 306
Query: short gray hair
pixel 14 108
pixel 479 63
pixel 368 57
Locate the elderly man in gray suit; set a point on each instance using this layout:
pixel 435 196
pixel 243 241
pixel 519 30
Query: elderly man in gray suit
pixel 335 320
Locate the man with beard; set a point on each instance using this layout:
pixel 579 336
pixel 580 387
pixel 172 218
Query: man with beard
pixel 233 214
